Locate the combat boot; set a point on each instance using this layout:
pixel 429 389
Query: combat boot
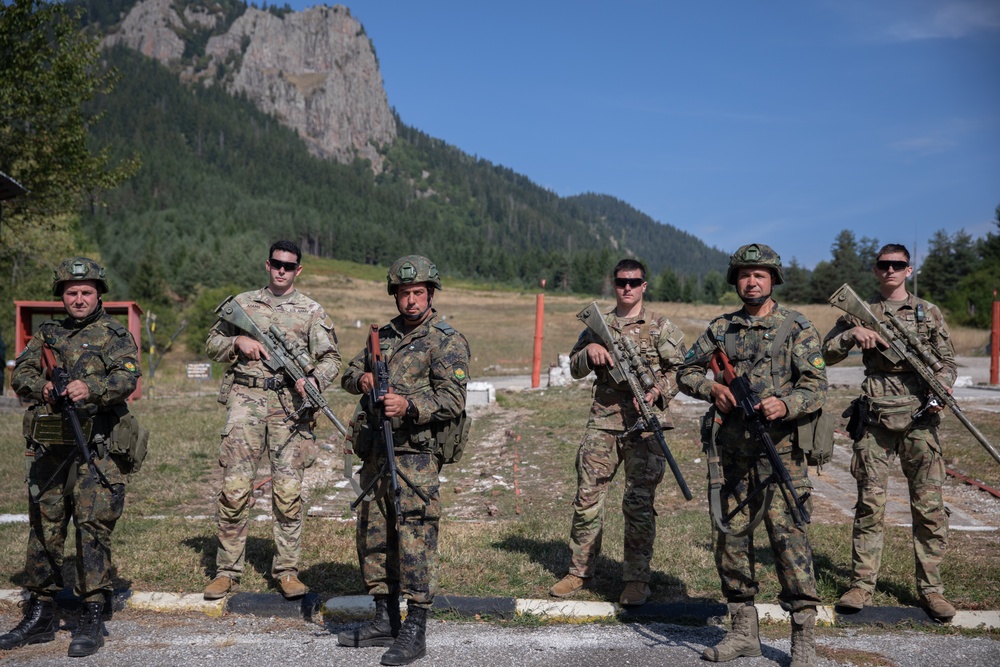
pixel 855 599
pixel 567 586
pixel 804 638
pixel 740 642
pixel 411 644
pixel 88 637
pixel 938 607
pixel 382 631
pixel 38 625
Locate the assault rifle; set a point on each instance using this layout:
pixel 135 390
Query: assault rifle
pixel 905 346
pixel 630 368
pixel 379 368
pixel 284 356
pixel 747 401
pixel 59 377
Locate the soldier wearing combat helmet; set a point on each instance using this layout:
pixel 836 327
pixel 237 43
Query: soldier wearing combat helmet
pixel 778 351
pixel 428 363
pixel 101 359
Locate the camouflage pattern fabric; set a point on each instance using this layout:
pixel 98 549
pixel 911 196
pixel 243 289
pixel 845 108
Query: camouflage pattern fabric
pixel 802 387
pixel 605 448
pixel 255 425
pixel 99 351
pixel 429 366
pixel 918 447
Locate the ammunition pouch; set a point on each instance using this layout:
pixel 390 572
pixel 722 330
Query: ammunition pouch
pixel 857 418
pixel 893 413
pixel 43 427
pixel 814 436
pixel 129 440
pixel 360 435
pixel 451 438
pixel 227 386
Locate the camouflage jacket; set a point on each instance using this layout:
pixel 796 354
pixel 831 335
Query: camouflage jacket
pixel 429 366
pixel 299 317
pixel 883 377
pixel 99 350
pixel 801 369
pixel 661 344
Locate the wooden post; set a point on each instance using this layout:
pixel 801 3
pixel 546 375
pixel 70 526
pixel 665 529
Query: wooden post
pixel 995 343
pixel 536 359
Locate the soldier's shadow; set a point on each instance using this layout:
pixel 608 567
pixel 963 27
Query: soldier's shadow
pixel 259 553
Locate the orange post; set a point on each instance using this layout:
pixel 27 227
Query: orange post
pixel 536 358
pixel 995 343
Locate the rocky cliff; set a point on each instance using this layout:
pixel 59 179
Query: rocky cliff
pixel 314 70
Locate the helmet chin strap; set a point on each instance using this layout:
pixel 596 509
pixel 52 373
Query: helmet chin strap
pixel 756 301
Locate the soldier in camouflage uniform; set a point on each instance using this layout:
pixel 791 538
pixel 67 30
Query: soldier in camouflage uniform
pixel 894 392
pixel 101 358
pixel 428 364
pixel 754 269
pixel 607 444
pixel 258 403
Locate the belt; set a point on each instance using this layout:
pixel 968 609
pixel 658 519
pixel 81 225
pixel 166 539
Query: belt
pixel 254 382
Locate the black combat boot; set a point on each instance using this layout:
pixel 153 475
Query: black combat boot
pixel 38 625
pixel 88 637
pixel 411 643
pixel 382 631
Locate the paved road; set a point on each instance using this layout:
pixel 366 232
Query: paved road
pixel 168 640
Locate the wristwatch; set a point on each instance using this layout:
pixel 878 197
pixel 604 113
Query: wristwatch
pixel 411 410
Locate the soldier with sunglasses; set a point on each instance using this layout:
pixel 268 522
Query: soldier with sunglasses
pixel 901 423
pixel 608 443
pixel 259 402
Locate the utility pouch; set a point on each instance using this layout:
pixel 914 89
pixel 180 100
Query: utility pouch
pixel 893 413
pixel 359 434
pixel 857 418
pixel 815 437
pixel 129 440
pixel 46 428
pixel 451 439
pixel 227 386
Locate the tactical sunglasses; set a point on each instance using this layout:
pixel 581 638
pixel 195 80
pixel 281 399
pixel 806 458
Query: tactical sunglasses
pixel 896 265
pixel 277 264
pixel 631 282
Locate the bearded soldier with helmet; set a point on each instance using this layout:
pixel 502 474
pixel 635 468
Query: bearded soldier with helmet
pixel 100 360
pixel 778 351
pixel 265 419
pixel 428 368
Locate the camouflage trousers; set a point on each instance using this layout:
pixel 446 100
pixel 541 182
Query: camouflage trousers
pixel 254 427
pixel 735 561
pixel 92 507
pixel 401 556
pixel 600 455
pixel 920 457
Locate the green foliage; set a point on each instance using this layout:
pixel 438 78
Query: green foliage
pixel 49 70
pixel 963 276
pixel 668 286
pixel 851 263
pixel 200 315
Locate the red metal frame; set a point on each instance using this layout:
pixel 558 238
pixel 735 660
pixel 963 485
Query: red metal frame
pixel 29 315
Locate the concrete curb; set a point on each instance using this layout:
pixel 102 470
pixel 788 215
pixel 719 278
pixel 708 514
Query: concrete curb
pixel 360 607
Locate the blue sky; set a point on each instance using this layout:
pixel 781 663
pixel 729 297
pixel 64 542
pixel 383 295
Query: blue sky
pixel 781 122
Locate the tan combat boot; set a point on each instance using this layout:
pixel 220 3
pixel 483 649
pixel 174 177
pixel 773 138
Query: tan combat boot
pixel 740 642
pixel 855 599
pixel 219 587
pixel 567 586
pixel 804 638
pixel 938 607
pixel 636 593
pixel 290 586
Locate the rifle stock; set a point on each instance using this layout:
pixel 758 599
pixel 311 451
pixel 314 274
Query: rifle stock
pixel 631 369
pixel 905 346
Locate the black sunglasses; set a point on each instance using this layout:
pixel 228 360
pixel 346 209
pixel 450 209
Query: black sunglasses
pixel 277 264
pixel 896 265
pixel 631 282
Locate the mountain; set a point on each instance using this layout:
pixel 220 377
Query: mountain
pixel 257 124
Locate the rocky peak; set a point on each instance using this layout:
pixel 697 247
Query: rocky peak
pixel 314 70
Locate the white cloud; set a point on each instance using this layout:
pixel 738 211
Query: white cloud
pixel 924 145
pixel 947 20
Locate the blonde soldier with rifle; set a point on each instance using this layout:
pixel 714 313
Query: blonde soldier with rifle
pixel 266 417
pixel 784 393
pixel 897 419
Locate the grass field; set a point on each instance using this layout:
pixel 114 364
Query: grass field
pixel 507 505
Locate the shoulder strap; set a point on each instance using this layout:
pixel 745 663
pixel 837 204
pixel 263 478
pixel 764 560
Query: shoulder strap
pixel 777 344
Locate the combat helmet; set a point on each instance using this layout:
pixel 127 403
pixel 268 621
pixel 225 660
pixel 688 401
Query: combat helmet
pixel 412 269
pixel 79 268
pixel 755 254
